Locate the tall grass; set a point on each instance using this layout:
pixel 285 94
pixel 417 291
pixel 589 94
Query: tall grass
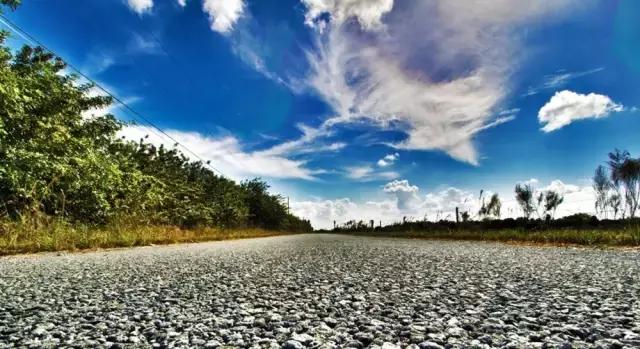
pixel 629 236
pixel 39 234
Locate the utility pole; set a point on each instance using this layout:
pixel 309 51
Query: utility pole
pixel 457 215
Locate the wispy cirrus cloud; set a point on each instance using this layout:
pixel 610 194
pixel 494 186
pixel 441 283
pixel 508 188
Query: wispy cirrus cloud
pixel 102 59
pixel 226 154
pixel 441 87
pixel 367 173
pixel 559 79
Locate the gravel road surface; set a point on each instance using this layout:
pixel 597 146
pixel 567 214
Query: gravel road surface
pixel 323 291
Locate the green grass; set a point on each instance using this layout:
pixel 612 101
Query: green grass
pixel 626 237
pixel 25 236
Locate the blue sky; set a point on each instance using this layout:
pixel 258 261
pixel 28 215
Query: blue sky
pixel 371 109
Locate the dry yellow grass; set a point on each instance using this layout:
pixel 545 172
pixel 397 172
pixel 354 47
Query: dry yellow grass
pixel 24 237
pixel 629 237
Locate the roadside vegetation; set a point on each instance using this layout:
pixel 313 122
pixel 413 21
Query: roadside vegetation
pixel 617 189
pixel 68 181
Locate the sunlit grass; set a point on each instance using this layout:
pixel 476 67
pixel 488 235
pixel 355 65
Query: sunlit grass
pixel 27 236
pixel 625 237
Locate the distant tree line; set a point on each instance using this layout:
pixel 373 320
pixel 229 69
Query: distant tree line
pixel 58 163
pixel 617 188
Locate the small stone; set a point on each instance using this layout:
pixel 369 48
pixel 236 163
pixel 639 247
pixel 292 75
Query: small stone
pixel 292 344
pixel 430 345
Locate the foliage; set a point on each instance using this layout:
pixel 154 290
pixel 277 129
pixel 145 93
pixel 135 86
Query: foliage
pixel 492 208
pixel 524 197
pixel 628 236
pixel 551 202
pixel 625 174
pixel 59 162
pixel 12 4
pixel 601 185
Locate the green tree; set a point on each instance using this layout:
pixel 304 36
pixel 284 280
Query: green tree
pixel 551 202
pixel 524 197
pixel 12 4
pixel 602 186
pixel 625 173
pixel 55 160
pixel 491 208
pixel 58 162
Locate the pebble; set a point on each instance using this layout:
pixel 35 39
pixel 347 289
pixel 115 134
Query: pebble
pixel 323 291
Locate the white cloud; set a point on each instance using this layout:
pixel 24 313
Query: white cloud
pixel 559 79
pixel 305 144
pixel 322 213
pixel 444 203
pixel 407 202
pixel 226 154
pixel 577 199
pixel 143 45
pixel 405 193
pixel 367 12
pixel 140 6
pixel 223 14
pixel 531 182
pixel 435 70
pixel 566 107
pixel 367 173
pixel 182 3
pixel 388 160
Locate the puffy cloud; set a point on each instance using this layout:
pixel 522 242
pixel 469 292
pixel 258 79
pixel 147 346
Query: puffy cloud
pixel 226 154
pixel 445 202
pixel 367 12
pixel 322 213
pixel 440 87
pixel 405 193
pixel 182 3
pixel 223 14
pixel 577 199
pixel 434 205
pixel 566 107
pixel 388 160
pixel 140 6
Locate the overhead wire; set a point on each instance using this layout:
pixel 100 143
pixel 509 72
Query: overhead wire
pixel 137 115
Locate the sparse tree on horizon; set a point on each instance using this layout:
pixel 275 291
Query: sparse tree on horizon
pixel 551 202
pixel 524 196
pixel 602 186
pixel 492 208
pixel 625 173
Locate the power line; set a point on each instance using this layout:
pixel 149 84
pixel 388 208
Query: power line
pixel 28 37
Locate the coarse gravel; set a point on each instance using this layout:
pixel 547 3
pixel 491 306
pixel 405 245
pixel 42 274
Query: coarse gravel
pixel 323 291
